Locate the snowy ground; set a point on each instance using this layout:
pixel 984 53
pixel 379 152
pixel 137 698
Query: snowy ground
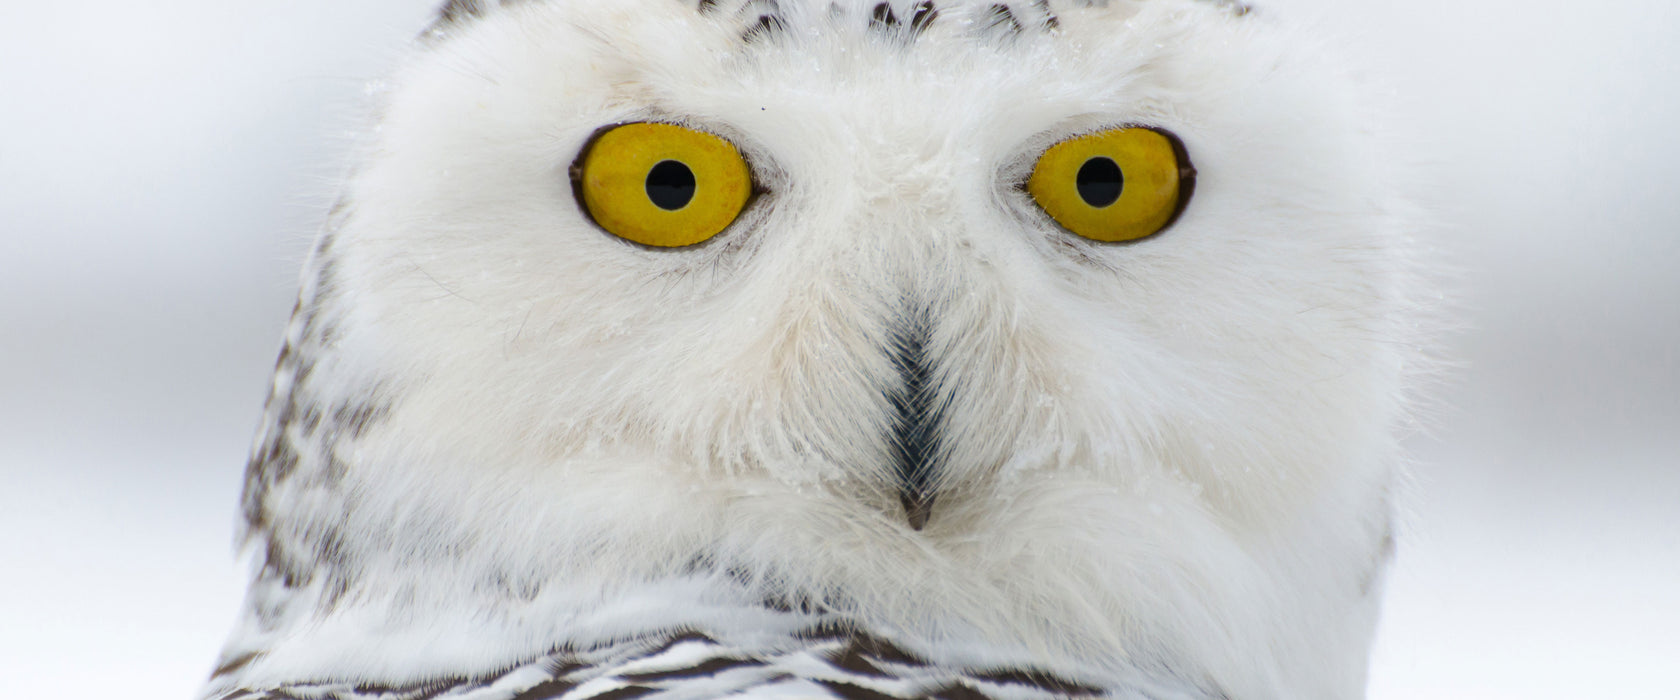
pixel 161 169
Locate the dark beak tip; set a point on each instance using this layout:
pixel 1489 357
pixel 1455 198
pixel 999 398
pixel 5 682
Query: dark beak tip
pixel 918 510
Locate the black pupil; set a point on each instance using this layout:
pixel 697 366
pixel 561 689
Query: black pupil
pixel 1100 182
pixel 670 185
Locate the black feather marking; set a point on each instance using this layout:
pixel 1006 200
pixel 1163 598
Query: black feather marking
pixel 958 691
pixel 861 643
pixel 563 664
pixel 706 6
pixel 1043 680
pixel 882 18
pixel 852 659
pixel 883 650
pixel 1237 8
pixel 235 663
pixel 922 15
pixel 1000 17
pixel 765 28
pixel 546 690
pixel 625 693
pixel 794 602
pixel 826 632
pixel 1050 21
pixel 454 11
pixel 418 691
pixel 917 420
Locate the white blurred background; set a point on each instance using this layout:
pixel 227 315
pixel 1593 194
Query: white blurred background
pixel 163 166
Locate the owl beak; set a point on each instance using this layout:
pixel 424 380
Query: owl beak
pixel 918 507
pixel 917 420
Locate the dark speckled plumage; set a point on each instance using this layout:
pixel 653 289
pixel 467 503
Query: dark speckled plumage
pixel 823 661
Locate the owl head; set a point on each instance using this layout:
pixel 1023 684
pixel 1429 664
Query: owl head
pixel 1077 327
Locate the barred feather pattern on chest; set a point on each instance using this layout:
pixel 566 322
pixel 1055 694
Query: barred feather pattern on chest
pixel 822 662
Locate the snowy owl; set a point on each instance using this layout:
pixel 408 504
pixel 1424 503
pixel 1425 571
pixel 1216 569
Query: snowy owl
pixel 824 348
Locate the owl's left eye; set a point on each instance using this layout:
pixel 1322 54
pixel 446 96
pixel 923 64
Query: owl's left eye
pixel 662 185
pixel 1113 186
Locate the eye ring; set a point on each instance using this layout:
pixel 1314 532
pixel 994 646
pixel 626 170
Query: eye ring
pixel 661 185
pixel 1117 185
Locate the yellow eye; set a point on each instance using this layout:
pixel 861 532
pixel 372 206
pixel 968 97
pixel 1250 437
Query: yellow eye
pixel 661 184
pixel 1116 185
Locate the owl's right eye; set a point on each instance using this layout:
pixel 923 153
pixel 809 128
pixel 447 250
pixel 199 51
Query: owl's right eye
pixel 662 185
